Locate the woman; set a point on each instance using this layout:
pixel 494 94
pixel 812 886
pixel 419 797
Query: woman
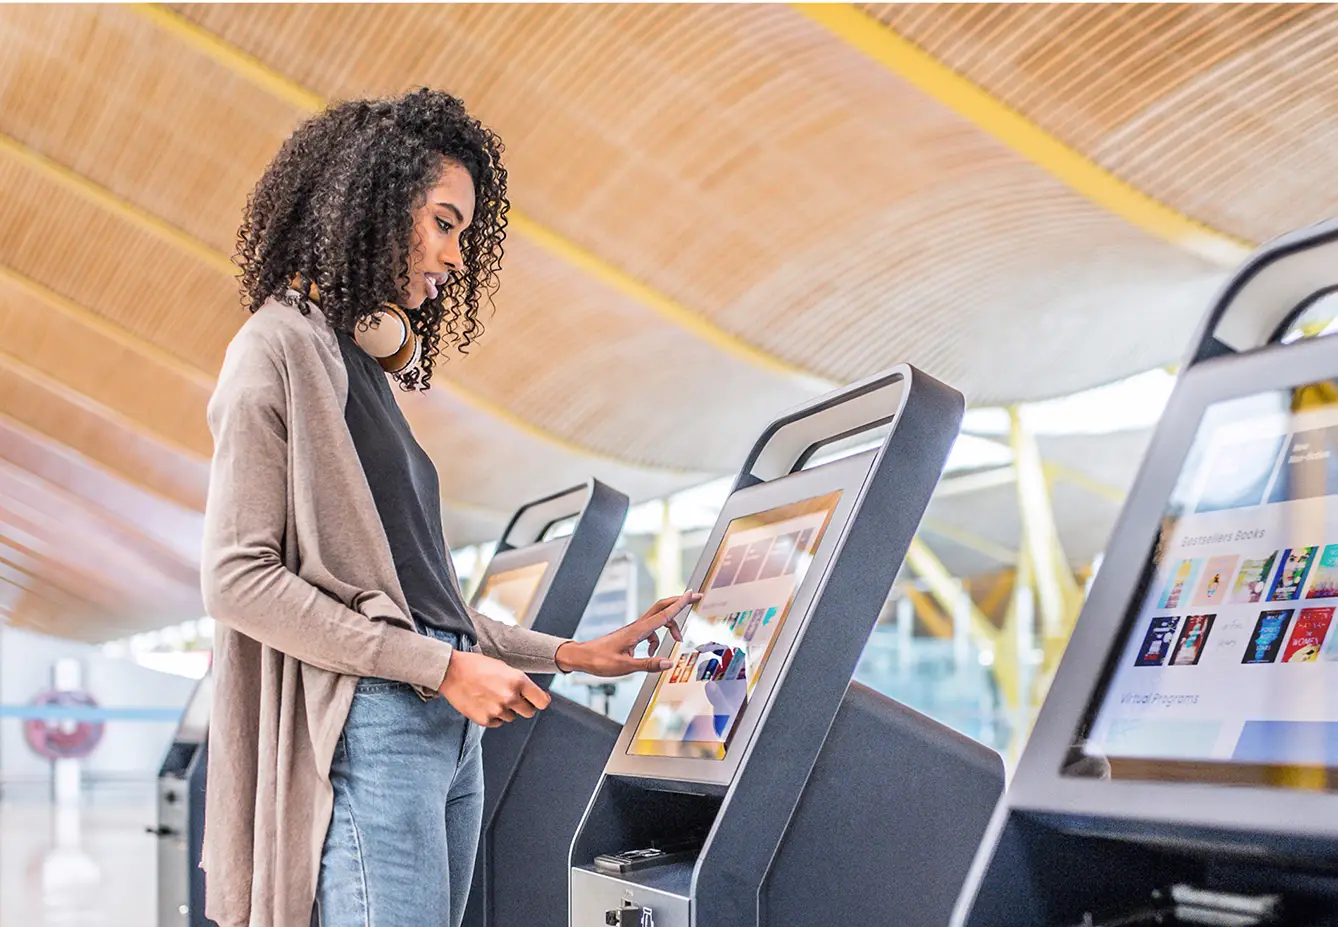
pixel 352 680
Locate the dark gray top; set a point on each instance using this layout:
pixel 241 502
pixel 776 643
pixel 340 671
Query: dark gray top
pixel 407 493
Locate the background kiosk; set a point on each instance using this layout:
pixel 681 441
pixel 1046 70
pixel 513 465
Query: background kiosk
pixel 721 804
pixel 180 830
pixel 544 585
pixel 1183 767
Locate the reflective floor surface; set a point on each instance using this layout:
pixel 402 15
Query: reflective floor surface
pixel 88 865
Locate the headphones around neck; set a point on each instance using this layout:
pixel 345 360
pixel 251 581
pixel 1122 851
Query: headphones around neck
pixel 387 335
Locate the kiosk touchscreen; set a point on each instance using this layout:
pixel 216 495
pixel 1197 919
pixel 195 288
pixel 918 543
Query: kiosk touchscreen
pixel 752 783
pixel 1227 672
pixel 1184 766
pixel 747 596
pixel 507 595
pixel 545 584
pixel 180 830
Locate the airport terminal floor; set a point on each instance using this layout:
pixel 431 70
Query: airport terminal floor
pixel 88 865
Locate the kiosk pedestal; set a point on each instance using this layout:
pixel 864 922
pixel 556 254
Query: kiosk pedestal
pixel 180 830
pixel 752 783
pixel 1184 767
pixel 539 772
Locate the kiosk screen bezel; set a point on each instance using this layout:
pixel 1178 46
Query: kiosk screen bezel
pixel 546 552
pixel 1048 780
pixel 846 476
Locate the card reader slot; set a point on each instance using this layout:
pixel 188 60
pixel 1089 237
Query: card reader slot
pixel 639 859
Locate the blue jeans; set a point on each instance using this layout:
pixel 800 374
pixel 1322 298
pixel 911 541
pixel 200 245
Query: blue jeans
pixel 408 808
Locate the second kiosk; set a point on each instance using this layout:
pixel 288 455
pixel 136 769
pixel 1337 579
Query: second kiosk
pixel 1184 766
pixel 752 783
pixel 544 583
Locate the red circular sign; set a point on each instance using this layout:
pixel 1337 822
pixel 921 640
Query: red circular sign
pixel 57 740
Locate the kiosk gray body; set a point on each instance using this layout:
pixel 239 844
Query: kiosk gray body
pixel 729 788
pixel 544 585
pixel 1182 768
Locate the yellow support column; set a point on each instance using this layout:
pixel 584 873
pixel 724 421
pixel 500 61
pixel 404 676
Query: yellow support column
pixel 1013 664
pixel 947 592
pixel 668 556
pixel 1058 595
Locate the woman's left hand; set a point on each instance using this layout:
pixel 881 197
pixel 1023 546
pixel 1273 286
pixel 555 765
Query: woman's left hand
pixel 611 655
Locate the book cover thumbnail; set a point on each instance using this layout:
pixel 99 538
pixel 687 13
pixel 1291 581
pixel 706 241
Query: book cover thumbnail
pixel 1193 638
pixel 1252 580
pixel 1179 583
pixel 1214 581
pixel 1157 642
pixel 1324 584
pixel 1308 634
pixel 1266 641
pixel 1296 564
pixel 683 668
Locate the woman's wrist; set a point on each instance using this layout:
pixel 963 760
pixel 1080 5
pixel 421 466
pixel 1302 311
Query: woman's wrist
pixel 568 656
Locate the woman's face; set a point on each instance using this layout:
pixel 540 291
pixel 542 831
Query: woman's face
pixel 437 224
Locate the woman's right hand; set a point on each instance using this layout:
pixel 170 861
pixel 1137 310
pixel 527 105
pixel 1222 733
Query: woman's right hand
pixel 488 692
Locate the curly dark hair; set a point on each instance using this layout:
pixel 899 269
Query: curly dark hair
pixel 335 209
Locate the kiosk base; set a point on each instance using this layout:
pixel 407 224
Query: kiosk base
pixel 1046 874
pixel 521 881
pixel 889 822
pixel 884 831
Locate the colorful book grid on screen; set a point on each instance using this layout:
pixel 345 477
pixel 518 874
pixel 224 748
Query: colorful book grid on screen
pixel 1288 629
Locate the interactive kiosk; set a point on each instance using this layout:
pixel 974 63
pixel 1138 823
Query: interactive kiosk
pixel 544 585
pixel 1183 767
pixel 753 784
pixel 180 830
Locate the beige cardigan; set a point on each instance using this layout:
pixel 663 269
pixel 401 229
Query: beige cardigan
pixel 298 574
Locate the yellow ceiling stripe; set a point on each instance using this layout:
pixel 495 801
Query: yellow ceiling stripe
pixel 666 308
pixel 109 330
pixel 114 204
pixel 230 57
pixel 999 120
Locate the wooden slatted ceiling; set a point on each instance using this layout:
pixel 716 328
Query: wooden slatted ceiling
pixel 104 92
pixel 84 360
pixel 90 561
pixel 736 159
pixel 125 275
pixel 562 350
pixel 162 295
pixel 171 526
pixel 100 434
pixel 1218 110
pixel 503 468
pixel 717 152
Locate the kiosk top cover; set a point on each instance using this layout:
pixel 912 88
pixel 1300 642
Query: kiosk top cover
pixel 759 573
pixel 1225 670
